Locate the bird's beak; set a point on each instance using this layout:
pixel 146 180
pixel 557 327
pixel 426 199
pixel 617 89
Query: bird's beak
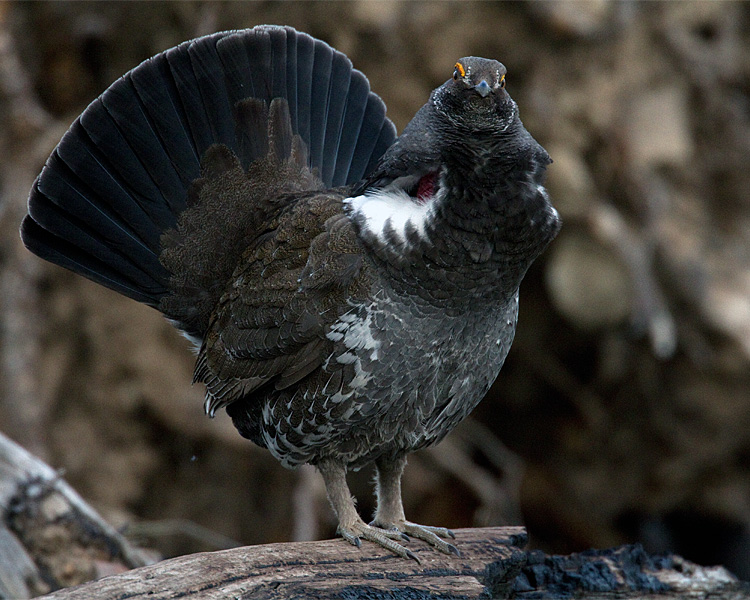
pixel 483 88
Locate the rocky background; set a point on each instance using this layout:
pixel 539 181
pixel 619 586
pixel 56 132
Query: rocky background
pixel 623 411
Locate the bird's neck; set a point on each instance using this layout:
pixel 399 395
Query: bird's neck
pixel 498 197
pixel 476 237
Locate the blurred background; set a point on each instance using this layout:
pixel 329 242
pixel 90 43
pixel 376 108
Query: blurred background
pixel 623 411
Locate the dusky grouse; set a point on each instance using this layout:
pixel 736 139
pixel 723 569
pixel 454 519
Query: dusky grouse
pixel 352 294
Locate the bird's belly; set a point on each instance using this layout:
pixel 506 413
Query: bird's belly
pixel 388 388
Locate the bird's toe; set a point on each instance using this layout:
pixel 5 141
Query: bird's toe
pixel 432 535
pixel 385 538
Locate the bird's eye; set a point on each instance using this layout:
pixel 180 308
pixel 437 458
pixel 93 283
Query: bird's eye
pixel 502 82
pixel 458 71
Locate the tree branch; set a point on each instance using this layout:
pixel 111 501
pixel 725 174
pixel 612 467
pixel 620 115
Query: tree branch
pixel 50 537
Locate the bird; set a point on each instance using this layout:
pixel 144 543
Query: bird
pixel 351 293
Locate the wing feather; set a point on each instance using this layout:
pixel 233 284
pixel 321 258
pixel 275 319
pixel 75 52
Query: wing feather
pixel 271 325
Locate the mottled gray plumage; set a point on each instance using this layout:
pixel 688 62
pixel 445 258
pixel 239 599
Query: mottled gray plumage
pixel 351 324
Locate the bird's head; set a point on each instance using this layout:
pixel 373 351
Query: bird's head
pixel 475 96
pixel 464 157
pixel 470 115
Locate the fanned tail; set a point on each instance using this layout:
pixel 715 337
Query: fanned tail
pixel 120 176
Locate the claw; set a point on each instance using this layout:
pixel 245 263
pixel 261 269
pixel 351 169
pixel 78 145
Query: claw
pixel 432 535
pixel 383 537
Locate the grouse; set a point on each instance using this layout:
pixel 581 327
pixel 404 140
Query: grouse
pixel 352 294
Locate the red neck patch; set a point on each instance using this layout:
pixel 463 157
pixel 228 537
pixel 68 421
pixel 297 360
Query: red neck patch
pixel 426 187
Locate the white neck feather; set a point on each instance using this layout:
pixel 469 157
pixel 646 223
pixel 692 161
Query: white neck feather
pixel 391 206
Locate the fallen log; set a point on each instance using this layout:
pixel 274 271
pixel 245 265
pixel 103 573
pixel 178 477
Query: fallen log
pixel 492 565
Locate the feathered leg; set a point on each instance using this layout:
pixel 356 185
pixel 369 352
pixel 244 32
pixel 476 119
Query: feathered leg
pixel 351 526
pixel 390 512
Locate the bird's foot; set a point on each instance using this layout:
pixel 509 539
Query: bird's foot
pixel 359 530
pixel 431 535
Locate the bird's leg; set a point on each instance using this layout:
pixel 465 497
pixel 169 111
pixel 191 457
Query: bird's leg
pixel 390 511
pixel 351 526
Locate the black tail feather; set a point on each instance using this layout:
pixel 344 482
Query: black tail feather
pixel 120 176
pixel 279 130
pixel 278 65
pixel 350 128
pixel 335 110
pixel 252 123
pixel 305 59
pixel 161 102
pixel 319 98
pixel 92 256
pixel 292 78
pixel 57 250
pixel 114 224
pixel 121 169
pixel 376 133
pixel 213 110
pixel 127 138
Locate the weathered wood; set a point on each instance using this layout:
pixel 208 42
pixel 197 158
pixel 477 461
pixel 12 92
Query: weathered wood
pixel 324 569
pixel 50 537
pixel 492 565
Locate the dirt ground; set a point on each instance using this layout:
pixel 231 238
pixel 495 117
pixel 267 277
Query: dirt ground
pixel 623 411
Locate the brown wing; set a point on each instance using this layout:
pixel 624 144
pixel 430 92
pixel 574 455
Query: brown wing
pixel 269 326
pixel 229 209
